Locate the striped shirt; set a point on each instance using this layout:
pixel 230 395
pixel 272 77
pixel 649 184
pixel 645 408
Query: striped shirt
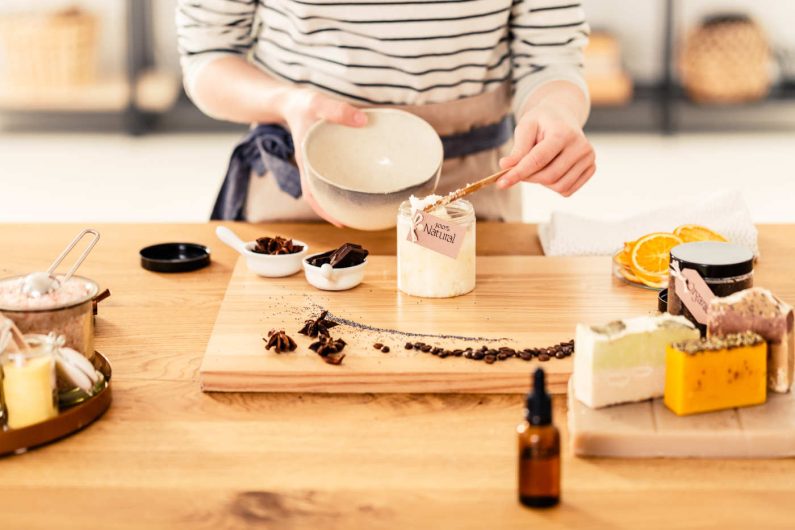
pixel 391 52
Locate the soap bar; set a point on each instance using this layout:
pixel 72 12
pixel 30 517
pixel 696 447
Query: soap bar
pixel 624 361
pixel 716 373
pixel 758 310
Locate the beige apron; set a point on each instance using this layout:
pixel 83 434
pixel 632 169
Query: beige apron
pixel 266 202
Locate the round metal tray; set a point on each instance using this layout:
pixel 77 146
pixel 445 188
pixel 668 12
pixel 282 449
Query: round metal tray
pixel 69 421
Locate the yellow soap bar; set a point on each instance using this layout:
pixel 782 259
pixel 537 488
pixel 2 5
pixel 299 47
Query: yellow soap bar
pixel 715 374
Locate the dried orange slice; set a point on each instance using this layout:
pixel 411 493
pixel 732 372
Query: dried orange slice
pixel 650 256
pixel 627 273
pixel 690 233
pixel 622 258
pixel 661 284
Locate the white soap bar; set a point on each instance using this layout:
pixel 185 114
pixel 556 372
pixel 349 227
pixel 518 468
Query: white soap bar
pixel 624 361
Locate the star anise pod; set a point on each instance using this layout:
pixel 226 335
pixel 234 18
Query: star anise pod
pixel 276 245
pixel 279 341
pixel 317 327
pixel 329 349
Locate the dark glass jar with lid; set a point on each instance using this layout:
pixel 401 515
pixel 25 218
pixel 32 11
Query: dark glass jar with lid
pixel 725 267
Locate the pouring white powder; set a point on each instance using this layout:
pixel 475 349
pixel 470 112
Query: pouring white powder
pixel 427 273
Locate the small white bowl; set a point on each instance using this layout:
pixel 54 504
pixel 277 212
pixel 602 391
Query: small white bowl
pixel 270 266
pixel 274 266
pixel 360 175
pixel 327 278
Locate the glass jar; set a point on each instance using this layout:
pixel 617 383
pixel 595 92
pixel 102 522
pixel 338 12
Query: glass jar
pixel 725 267
pixel 427 273
pixel 29 383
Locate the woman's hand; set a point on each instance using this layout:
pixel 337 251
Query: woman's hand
pixel 549 148
pixel 301 110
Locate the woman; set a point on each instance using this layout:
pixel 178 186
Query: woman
pixel 465 66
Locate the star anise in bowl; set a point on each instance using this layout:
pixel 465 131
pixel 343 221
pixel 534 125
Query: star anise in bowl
pixel 329 349
pixel 276 245
pixel 279 341
pixel 318 326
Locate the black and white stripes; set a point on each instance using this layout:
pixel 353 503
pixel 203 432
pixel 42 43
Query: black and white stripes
pixel 391 52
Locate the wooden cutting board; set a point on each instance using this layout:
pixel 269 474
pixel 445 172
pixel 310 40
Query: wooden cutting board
pixel 519 301
pixel 649 430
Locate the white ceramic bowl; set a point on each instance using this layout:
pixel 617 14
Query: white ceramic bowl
pixel 360 175
pixel 274 266
pixel 264 264
pixel 328 278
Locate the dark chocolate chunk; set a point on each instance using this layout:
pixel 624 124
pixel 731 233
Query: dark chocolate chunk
pixel 348 255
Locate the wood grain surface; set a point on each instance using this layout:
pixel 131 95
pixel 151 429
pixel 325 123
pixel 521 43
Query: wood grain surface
pixel 519 302
pixel 167 455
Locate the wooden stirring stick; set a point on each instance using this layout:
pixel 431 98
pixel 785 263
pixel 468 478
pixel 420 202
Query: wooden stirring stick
pixel 466 190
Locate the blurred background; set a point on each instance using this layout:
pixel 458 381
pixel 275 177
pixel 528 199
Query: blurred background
pixel 689 96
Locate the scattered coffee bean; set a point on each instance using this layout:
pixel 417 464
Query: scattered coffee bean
pixel 426 348
pixel 385 349
pixel 526 355
pixel 478 355
pixel 378 345
pixel 489 359
pixel 502 356
pixel 458 353
pixel 543 357
pixel 438 350
pixel 409 346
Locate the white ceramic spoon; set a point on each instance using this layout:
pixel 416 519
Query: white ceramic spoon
pixel 232 240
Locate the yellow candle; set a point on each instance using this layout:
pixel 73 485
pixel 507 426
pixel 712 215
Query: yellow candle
pixel 28 388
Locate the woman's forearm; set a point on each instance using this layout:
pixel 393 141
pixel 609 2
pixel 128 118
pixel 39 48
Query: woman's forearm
pixel 564 95
pixel 232 89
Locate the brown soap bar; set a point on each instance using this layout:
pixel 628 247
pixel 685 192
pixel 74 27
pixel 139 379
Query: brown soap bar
pixel 757 310
pixel 348 255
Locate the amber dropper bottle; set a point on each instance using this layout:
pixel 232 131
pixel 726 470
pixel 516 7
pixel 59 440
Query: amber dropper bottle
pixel 539 450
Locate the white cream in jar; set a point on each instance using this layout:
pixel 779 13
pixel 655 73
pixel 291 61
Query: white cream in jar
pixel 427 273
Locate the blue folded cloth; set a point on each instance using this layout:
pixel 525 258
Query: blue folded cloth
pixel 269 148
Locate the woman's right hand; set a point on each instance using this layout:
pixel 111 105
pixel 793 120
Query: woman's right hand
pixel 304 107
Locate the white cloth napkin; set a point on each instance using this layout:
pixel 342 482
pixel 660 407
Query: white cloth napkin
pixel 724 212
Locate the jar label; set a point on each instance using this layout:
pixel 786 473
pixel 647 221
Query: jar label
pixel 439 235
pixel 693 291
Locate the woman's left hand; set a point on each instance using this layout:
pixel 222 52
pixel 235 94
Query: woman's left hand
pixel 549 148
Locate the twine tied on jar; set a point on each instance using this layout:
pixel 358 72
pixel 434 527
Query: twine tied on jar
pixel 416 224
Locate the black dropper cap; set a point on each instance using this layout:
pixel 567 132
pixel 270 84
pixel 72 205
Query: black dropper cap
pixel 539 405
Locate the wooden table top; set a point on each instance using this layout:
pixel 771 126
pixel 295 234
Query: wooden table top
pixel 167 455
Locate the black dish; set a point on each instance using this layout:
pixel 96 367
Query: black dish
pixel 175 257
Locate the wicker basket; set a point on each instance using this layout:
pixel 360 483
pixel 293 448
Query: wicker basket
pixel 53 49
pixel 726 60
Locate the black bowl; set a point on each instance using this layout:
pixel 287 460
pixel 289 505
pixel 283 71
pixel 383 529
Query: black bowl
pixel 175 257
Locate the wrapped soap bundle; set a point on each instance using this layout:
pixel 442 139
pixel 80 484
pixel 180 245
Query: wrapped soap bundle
pixel 436 250
pixel 38 374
